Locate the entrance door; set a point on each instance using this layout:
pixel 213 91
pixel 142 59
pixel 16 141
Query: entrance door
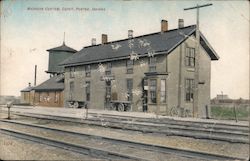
pixel 108 94
pixel 145 95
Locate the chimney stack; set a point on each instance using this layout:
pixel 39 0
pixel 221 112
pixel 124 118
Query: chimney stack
pixel 104 38
pixel 93 41
pixel 130 33
pixel 181 23
pixel 164 25
pixel 29 84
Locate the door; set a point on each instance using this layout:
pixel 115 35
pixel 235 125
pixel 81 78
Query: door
pixel 145 95
pixel 108 94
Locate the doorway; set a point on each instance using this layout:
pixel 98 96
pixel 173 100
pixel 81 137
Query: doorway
pixel 107 94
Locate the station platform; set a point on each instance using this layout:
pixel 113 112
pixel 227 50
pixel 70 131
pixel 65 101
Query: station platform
pixel 81 113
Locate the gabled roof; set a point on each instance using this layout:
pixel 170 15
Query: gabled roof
pixel 63 47
pixel 160 43
pixel 27 89
pixel 55 83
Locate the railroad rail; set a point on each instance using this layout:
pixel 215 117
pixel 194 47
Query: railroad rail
pixel 103 152
pixel 173 121
pixel 91 151
pixel 228 134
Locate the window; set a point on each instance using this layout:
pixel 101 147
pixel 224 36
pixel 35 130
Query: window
pixel 108 91
pixel 152 90
pixel 40 97
pixel 87 71
pixel 145 83
pixel 189 84
pixel 72 72
pixel 87 91
pixel 56 99
pixel 71 89
pixel 152 64
pixel 108 69
pixel 163 91
pixel 129 89
pixel 190 57
pixel 47 98
pixel 25 95
pixel 130 64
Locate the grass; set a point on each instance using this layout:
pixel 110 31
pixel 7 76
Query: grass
pixel 227 113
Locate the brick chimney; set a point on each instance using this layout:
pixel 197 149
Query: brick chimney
pixel 130 33
pixel 164 25
pixel 104 38
pixel 93 41
pixel 180 23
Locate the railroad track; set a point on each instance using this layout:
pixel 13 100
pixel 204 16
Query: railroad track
pixel 127 149
pixel 228 133
pixel 192 123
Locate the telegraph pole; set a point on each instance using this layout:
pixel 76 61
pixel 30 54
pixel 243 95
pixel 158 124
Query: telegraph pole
pixel 35 75
pixel 197 58
pixel 64 38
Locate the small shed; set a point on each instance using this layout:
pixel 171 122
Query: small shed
pixel 51 92
pixel 27 95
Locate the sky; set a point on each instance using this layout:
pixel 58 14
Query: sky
pixel 30 27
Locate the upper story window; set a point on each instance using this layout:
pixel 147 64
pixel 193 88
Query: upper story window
pixel 72 72
pixel 152 64
pixel 190 57
pixel 87 71
pixel 108 69
pixel 189 85
pixel 130 64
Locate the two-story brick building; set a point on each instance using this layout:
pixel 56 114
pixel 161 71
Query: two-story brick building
pixel 154 72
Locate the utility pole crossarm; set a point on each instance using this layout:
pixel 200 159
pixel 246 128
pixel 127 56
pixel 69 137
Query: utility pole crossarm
pixel 198 6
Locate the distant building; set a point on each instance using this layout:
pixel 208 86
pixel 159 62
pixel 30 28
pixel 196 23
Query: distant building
pixel 5 99
pixel 50 92
pixel 222 97
pixel 27 95
pixel 225 100
pixel 153 72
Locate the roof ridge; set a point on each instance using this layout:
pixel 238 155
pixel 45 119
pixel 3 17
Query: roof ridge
pixel 138 36
pixel 154 43
pixel 62 47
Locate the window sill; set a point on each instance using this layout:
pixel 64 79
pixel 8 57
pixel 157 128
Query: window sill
pixel 189 102
pixel 190 69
